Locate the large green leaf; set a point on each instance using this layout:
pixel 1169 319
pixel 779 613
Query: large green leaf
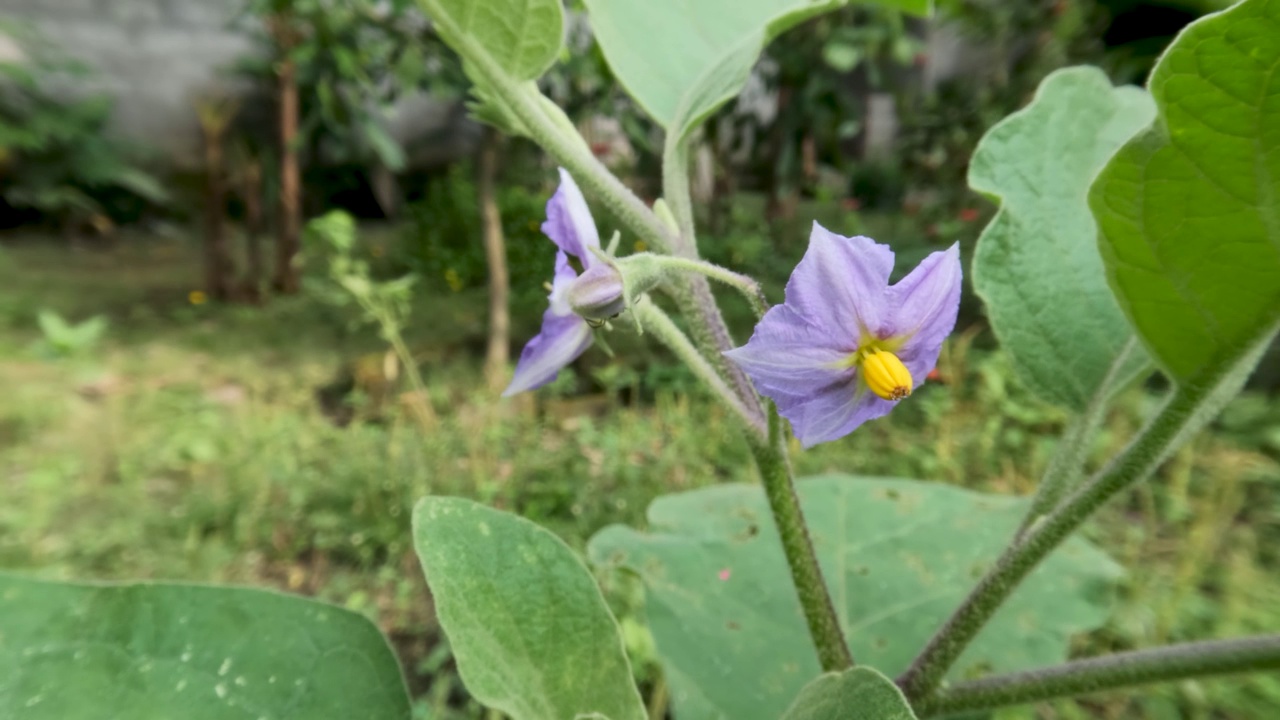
pixel 681 60
pixel 529 628
pixel 522 36
pixel 141 651
pixel 857 694
pixel 1037 266
pixel 898 555
pixel 1189 210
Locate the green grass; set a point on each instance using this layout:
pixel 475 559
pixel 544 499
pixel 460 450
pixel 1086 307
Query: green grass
pixel 191 444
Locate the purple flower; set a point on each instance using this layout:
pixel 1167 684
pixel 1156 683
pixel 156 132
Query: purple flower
pixel 565 334
pixel 846 345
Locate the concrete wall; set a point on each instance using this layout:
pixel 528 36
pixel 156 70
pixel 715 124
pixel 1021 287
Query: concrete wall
pixel 155 57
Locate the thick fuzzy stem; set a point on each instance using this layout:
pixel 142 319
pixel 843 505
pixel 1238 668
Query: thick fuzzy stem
pixel 1138 460
pixel 1112 672
pixel 806 573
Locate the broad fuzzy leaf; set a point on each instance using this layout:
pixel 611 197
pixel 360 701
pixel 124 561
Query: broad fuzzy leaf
pixel 529 628
pixel 681 60
pixel 1037 266
pixel 858 694
pixel 898 555
pixel 522 36
pixel 91 652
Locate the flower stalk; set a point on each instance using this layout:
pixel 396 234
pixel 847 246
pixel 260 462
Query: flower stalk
pixel 656 322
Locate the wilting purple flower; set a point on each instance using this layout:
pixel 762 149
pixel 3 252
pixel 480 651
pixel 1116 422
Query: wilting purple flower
pixel 846 345
pixel 565 335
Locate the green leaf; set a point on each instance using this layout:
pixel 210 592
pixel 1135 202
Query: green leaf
pixel 898 555
pixel 681 60
pixel 522 36
pixel 1037 265
pixel 389 152
pixel 87 652
pixel 1189 210
pixel 858 694
pixel 528 626
pixel 842 56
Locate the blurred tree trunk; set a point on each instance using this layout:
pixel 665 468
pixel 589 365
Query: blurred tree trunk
pixel 219 268
pixel 495 253
pixel 287 241
pixel 251 189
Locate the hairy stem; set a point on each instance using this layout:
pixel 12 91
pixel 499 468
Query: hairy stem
pixel 656 322
pixel 523 100
pixel 1138 460
pixel 1068 461
pixel 1112 672
pixel 749 288
pixel 806 573
pixel 1193 403
pixel 675 190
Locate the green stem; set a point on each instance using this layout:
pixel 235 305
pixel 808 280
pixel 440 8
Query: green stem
pixel 749 288
pixel 656 322
pixel 675 190
pixel 1067 465
pixel 530 108
pixel 806 573
pixel 1138 460
pixel 1112 672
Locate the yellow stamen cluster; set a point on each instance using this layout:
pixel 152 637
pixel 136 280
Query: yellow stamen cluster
pixel 885 374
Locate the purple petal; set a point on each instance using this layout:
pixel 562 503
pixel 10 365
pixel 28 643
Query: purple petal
pixel 560 282
pixel 833 413
pixel 926 303
pixel 569 223
pixel 562 339
pixel 789 357
pixel 840 284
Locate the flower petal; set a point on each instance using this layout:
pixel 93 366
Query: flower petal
pixel 569 223
pixel 564 277
pixel 834 413
pixel 789 358
pixel 562 339
pixel 840 284
pixel 926 302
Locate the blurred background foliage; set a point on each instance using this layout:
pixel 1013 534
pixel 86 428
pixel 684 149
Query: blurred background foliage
pixel 147 430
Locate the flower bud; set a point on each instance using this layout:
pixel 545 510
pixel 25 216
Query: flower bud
pixel 597 294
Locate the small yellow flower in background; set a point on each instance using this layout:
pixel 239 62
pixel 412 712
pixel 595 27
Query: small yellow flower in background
pixel 454 281
pixel 196 297
pixel 376 251
pixel 641 246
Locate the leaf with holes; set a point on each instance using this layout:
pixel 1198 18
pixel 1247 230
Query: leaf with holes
pixel 898 554
pixel 85 652
pixel 1037 266
pixel 1189 210
pixel 527 624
